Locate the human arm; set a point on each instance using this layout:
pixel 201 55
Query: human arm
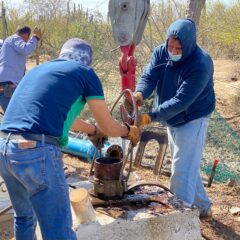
pixel 149 79
pixel 193 84
pixel 22 47
pixel 105 121
pixel 37 33
pixel 109 125
pixel 101 113
pixel 82 126
pixel 94 134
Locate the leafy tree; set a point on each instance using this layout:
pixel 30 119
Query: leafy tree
pixel 46 8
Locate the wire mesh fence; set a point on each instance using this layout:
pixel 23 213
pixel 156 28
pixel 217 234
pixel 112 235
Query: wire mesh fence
pixel 223 143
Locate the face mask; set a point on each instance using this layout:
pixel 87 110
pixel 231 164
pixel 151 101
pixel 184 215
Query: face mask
pixel 174 58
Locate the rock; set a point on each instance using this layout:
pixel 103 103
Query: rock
pixel 235 211
pixel 231 182
pixel 234 78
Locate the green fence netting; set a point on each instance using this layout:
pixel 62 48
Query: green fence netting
pixel 223 143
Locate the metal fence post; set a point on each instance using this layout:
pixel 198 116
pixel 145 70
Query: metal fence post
pixel 4 25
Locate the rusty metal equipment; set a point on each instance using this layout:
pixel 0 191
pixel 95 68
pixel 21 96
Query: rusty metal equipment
pixel 107 177
pixel 110 184
pixel 106 180
pixel 141 193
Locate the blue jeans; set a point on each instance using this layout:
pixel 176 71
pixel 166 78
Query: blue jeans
pixel 186 146
pixel 38 191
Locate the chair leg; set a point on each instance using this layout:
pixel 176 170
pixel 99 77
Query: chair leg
pixel 139 154
pixel 159 160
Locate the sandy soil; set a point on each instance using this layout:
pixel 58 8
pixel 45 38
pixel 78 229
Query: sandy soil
pixel 227 88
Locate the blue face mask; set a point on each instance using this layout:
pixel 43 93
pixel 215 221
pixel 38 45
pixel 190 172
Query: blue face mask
pixel 174 58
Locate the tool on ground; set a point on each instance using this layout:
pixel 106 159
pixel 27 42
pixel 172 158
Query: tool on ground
pixel 215 163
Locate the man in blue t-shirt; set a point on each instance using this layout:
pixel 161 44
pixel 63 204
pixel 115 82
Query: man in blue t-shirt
pixel 44 106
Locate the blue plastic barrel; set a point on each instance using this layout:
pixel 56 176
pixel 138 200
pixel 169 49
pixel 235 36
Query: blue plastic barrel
pixel 85 149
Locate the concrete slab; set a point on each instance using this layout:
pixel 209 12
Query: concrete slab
pixel 140 224
pixel 143 226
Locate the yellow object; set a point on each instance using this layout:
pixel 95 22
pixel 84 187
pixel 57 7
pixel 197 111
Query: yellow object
pixel 143 120
pixel 134 135
pixel 82 206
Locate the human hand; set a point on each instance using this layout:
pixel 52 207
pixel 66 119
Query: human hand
pixel 98 138
pixel 143 120
pixel 133 134
pixel 128 104
pixel 37 33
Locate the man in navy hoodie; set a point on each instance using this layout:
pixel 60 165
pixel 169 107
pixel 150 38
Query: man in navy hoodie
pixel 181 74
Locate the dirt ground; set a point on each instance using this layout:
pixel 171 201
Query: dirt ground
pixel 224 225
pixel 227 88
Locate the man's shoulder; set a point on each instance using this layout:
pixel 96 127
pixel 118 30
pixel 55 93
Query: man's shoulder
pixel 202 58
pixel 81 68
pixel 159 53
pixel 13 38
pixel 202 54
pixel 72 63
pixel 68 67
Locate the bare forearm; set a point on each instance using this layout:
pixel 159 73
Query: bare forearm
pixel 82 126
pixel 105 121
pixel 112 128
